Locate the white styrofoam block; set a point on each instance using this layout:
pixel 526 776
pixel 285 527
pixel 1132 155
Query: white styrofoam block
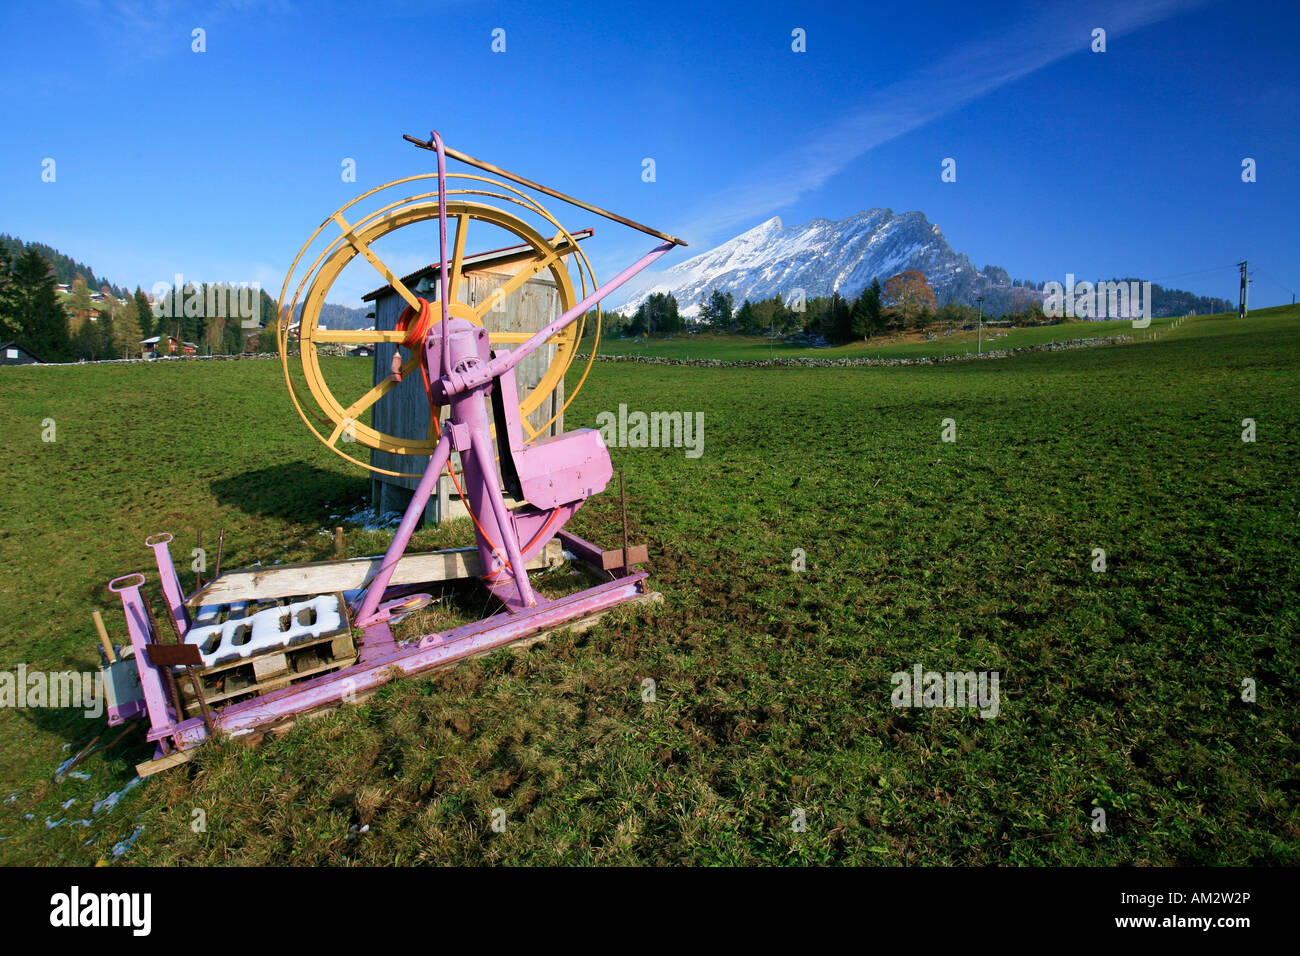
pixel 264 630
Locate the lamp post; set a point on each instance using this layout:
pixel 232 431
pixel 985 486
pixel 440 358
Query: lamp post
pixel 979 336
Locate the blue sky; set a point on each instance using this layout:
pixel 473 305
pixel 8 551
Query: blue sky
pixel 219 165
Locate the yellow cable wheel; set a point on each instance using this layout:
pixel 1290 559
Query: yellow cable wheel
pixel 339 418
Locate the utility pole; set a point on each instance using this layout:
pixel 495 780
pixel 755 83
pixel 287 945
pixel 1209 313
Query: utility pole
pixel 979 336
pixel 1245 285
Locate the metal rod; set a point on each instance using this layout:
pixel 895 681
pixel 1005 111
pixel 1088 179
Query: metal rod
pixel 130 726
pixel 198 575
pixel 194 681
pixel 81 755
pixel 171 582
pixel 203 700
pixel 622 501
pixel 436 140
pixel 221 541
pixel 170 678
pixel 463 381
pixel 498 171
pixel 433 651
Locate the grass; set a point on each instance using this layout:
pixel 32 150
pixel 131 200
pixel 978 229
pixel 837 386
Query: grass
pixel 1120 689
pixel 757 348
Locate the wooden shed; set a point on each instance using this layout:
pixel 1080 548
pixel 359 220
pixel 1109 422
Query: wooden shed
pixel 11 353
pixel 405 409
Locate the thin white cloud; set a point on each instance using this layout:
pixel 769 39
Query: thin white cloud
pixel 156 28
pixel 1052 33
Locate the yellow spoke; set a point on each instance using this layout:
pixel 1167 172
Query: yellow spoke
pixel 375 261
pixel 338 430
pixel 365 401
pixel 457 258
pixel 517 280
pixel 515 338
pixel 356 336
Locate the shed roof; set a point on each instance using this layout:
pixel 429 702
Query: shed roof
pixel 480 260
pixel 14 344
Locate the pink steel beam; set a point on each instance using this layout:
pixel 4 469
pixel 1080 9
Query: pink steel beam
pixel 455 382
pixel 432 651
pixel 161 716
pixel 402 537
pixel 442 235
pixel 171 582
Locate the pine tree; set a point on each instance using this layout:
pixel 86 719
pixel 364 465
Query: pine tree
pixel 8 304
pixel 867 319
pixel 42 323
pixel 860 320
pixel 662 314
pixel 214 335
pixel 746 320
pixel 106 336
pixel 190 316
pixel 267 309
pixel 878 319
pixel 814 311
pixel 640 321
pixel 838 321
pixel 716 312
pixel 144 314
pixel 83 342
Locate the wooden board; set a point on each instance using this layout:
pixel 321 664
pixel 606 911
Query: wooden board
pixel 174 759
pixel 613 560
pixel 321 577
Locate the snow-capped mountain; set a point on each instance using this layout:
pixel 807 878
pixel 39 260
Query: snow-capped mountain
pixel 819 257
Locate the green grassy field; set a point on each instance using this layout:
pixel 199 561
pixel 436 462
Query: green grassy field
pixel 1120 690
pixel 757 348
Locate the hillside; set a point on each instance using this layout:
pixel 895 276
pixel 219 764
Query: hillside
pixel 335 316
pixel 66 268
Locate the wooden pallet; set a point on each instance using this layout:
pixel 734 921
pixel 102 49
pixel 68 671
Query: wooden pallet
pixel 586 554
pixel 231 681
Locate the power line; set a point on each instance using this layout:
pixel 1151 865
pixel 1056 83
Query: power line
pixel 1198 272
pixel 1275 282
